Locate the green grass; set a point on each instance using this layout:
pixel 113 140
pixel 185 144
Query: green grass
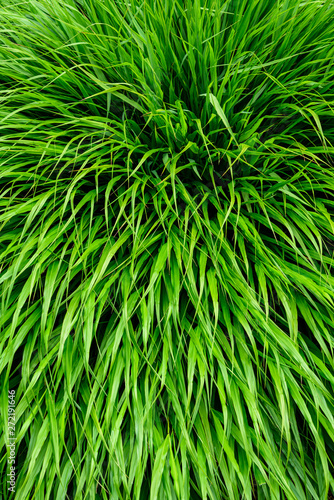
pixel 166 248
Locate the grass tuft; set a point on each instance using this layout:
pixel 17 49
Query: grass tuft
pixel 166 248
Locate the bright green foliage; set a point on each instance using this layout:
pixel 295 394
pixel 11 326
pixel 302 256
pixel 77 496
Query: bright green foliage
pixel 166 248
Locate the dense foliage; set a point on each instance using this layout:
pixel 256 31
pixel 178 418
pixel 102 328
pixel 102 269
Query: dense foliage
pixel 166 248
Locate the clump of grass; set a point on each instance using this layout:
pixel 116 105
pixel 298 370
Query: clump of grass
pixel 166 248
